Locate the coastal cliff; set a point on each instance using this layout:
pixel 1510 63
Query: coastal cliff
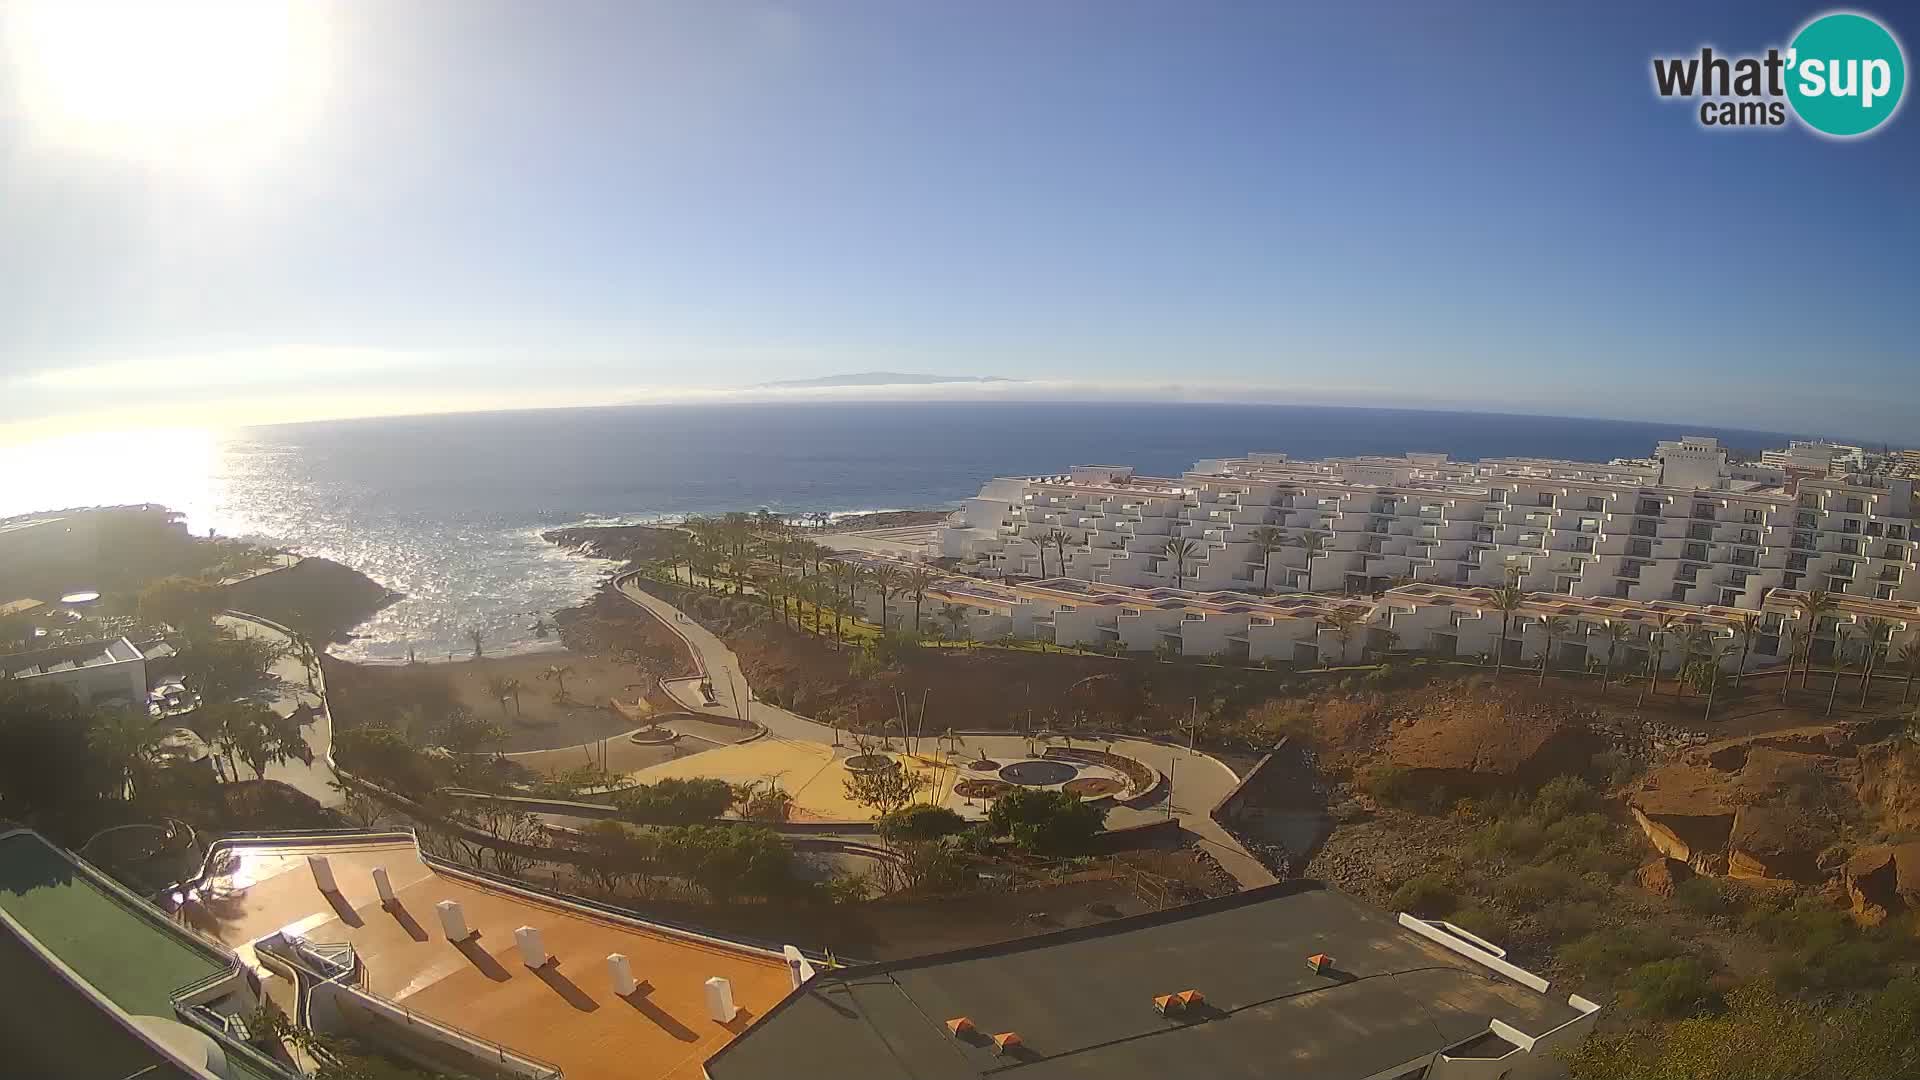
pixel 318 597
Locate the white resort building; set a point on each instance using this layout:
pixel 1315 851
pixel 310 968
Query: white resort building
pixel 1685 526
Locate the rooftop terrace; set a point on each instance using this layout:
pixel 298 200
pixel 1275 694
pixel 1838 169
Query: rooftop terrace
pixel 565 1013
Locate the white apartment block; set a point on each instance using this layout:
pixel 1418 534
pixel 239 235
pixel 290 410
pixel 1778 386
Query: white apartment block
pixel 1449 622
pixel 1684 526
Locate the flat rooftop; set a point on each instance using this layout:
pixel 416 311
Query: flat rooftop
pixel 124 947
pixel 566 1014
pixel 1082 1001
pixel 51 1029
pixel 69 658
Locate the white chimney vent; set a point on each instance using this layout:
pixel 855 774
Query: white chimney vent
pixel 322 873
pixel 620 971
pixel 453 920
pixel 799 968
pixel 383 885
pixel 720 1004
pixel 533 952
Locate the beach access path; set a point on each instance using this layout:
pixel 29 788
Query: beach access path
pixel 1200 781
pixel 315 780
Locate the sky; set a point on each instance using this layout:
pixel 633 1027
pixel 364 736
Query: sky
pixel 229 211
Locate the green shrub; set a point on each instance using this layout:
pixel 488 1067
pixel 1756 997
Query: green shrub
pixel 1563 796
pixel 919 822
pixel 1046 822
pixel 1606 954
pixel 1531 888
pixel 1482 922
pixel 1702 896
pixel 1671 989
pixel 1521 837
pixel 1393 786
pixel 676 801
pixel 1428 896
pixel 1566 921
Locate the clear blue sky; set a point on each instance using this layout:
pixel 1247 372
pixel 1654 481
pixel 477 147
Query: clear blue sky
pixel 467 204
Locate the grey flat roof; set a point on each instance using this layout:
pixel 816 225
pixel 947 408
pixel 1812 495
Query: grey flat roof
pixel 1082 1000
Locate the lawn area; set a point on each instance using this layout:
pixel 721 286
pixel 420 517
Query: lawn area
pixel 131 955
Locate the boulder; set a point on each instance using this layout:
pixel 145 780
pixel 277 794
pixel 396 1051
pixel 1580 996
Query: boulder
pixel 1882 880
pixel 1661 875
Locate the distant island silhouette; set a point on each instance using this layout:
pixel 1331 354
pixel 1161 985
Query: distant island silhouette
pixel 880 378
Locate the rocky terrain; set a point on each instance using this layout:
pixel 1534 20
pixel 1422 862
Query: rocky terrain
pixel 1825 805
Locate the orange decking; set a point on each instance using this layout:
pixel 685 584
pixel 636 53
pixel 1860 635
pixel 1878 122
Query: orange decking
pixel 566 1013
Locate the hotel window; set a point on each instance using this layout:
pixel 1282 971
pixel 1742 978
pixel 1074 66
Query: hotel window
pixel 1843 568
pixel 1810 500
pixel 1699 532
pixel 1790 581
pixel 1650 506
pixel 1679 593
pixel 1755 517
pixel 1803 541
pixel 1583 543
pixel 1873 528
pixel 1805 521
pixel 1896 551
pixel 1642 548
pixel 1546 498
pixel 1595 503
pixel 1854 506
pixel 1750 536
pixel 1850 547
pixel 1703 510
pixel 1696 552
pixel 1796 562
pixel 1851 525
pixel 1896 532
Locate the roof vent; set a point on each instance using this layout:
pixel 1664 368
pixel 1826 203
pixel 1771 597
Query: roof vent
pixel 1006 1042
pixel 959 1026
pixel 1319 962
pixel 1191 999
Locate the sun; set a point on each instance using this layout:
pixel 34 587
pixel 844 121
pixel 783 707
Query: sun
pixel 200 84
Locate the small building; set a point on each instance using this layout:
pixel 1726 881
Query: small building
pixel 97 672
pixel 1292 979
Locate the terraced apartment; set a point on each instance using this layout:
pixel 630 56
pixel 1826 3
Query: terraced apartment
pixel 1686 525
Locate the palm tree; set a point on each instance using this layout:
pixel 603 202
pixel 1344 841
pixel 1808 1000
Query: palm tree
pixel 955 616
pixel 1877 632
pixel 1268 540
pixel 1709 673
pixel 498 687
pixel 1797 636
pixel 1342 621
pixel 842 576
pixel 1617 634
pixel 1746 626
pixel 918 581
pixel 1907 658
pixel 513 691
pixel 1180 551
pixel 1695 642
pixel 885 578
pixel 1559 628
pixel 1842 634
pixel 557 675
pixel 1313 543
pixel 1662 626
pixel 1058 538
pixel 1507 599
pixel 123 740
pixel 1812 605
pixel 479 638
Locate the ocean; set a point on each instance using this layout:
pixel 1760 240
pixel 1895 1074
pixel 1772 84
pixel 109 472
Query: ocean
pixel 449 509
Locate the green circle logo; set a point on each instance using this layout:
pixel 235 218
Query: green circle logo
pixel 1845 74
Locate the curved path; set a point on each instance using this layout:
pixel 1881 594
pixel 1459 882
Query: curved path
pixel 317 779
pixel 1200 781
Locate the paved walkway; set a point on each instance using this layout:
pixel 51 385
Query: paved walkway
pixel 1199 781
pixel 316 779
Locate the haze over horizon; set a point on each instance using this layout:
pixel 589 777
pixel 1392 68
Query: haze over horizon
pixel 238 211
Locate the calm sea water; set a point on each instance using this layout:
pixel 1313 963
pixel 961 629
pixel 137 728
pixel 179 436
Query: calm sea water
pixel 449 509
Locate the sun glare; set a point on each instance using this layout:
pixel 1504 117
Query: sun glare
pixel 198 84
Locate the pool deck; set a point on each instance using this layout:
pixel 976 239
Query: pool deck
pixel 565 1013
